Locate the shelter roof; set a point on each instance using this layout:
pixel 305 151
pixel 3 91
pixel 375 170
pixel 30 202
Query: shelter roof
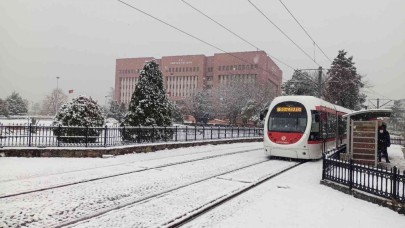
pixel 368 114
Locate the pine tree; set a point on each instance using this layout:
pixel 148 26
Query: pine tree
pixel 149 105
pixel 84 114
pixel 199 106
pixel 16 105
pixel 3 108
pixel 344 84
pixel 397 116
pixel 116 110
pixel 301 83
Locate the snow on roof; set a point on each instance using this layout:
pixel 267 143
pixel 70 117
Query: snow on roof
pixel 369 114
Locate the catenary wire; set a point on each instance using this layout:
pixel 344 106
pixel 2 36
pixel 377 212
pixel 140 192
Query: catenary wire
pixel 279 29
pixel 235 34
pixel 190 35
pixel 302 27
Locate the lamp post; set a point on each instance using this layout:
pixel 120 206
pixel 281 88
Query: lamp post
pixel 57 91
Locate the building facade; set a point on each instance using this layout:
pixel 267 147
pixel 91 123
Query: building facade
pixel 183 76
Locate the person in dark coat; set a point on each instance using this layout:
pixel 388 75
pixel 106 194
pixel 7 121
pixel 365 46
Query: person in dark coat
pixel 384 141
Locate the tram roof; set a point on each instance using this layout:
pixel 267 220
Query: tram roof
pixel 368 114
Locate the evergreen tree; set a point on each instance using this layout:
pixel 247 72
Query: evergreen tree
pixel 116 110
pixel 80 112
pixel 3 108
pixel 177 117
pixel 344 84
pixel 16 105
pixel 301 83
pixel 149 104
pixel 397 116
pixel 200 106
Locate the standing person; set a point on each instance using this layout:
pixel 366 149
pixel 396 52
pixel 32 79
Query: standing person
pixel 384 141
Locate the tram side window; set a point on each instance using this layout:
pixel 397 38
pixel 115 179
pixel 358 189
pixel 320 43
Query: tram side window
pixel 315 126
pixel 331 125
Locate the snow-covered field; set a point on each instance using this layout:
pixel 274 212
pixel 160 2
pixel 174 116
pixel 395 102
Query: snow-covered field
pixel 292 199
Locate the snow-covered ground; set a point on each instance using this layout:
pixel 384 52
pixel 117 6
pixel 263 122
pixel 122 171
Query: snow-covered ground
pixel 297 199
pixel 292 199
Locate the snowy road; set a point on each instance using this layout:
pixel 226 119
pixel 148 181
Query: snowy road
pixel 161 188
pixel 63 205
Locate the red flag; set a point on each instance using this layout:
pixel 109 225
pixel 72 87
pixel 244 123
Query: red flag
pixel 70 91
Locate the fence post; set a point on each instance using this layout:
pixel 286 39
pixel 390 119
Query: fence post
pixel 105 136
pixel 186 132
pixel 203 133
pixel 238 132
pixel 225 132
pixel 165 134
pixel 153 133
pixel 394 183
pixel 176 134
pixel 195 132
pixel 219 130
pixel 232 132
pixel 323 166
pixel 211 132
pixel 139 133
pixel 351 174
pixel 87 135
pixel 29 135
pixel 58 136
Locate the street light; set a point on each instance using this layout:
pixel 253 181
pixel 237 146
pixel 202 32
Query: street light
pixel 57 90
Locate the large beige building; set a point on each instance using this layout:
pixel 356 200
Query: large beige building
pixel 185 75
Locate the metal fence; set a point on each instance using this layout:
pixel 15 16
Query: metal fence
pixel 62 136
pixel 387 183
pixel 398 141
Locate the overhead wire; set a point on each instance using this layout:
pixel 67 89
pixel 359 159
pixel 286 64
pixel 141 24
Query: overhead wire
pixel 188 34
pixel 302 27
pixel 235 34
pixel 279 29
pixel 243 39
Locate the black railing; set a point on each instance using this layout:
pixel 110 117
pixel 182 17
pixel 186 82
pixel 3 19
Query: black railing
pixel 62 136
pixel 398 141
pixel 387 183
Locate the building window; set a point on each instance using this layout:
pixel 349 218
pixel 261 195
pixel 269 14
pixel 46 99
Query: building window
pixel 255 66
pixel 239 67
pixel 177 69
pixel 227 67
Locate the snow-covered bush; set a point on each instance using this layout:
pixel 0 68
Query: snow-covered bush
pixel 149 106
pixel 78 119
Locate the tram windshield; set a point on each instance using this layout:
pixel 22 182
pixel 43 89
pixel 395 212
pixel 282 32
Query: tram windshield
pixel 288 117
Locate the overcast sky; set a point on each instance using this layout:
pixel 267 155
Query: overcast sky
pixel 79 40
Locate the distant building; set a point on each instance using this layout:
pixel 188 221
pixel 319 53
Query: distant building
pixel 184 75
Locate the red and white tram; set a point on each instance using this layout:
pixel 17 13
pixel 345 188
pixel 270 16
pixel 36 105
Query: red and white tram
pixel 303 127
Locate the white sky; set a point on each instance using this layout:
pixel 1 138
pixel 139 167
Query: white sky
pixel 79 40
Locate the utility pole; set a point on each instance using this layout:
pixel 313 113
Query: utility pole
pixel 320 82
pixel 377 102
pixel 56 98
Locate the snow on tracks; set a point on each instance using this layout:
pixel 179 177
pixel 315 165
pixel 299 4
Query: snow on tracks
pixel 61 205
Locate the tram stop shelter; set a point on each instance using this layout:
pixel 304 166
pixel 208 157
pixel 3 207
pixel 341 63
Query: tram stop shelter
pixel 362 134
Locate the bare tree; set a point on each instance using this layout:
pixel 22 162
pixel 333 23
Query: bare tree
pixel 53 101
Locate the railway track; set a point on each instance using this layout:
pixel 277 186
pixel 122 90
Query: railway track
pixel 126 173
pixel 191 215
pixel 117 164
pixel 186 216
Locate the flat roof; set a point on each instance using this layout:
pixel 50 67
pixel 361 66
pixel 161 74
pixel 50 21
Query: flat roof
pixel 368 114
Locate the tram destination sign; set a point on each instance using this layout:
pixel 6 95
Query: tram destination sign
pixel 289 109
